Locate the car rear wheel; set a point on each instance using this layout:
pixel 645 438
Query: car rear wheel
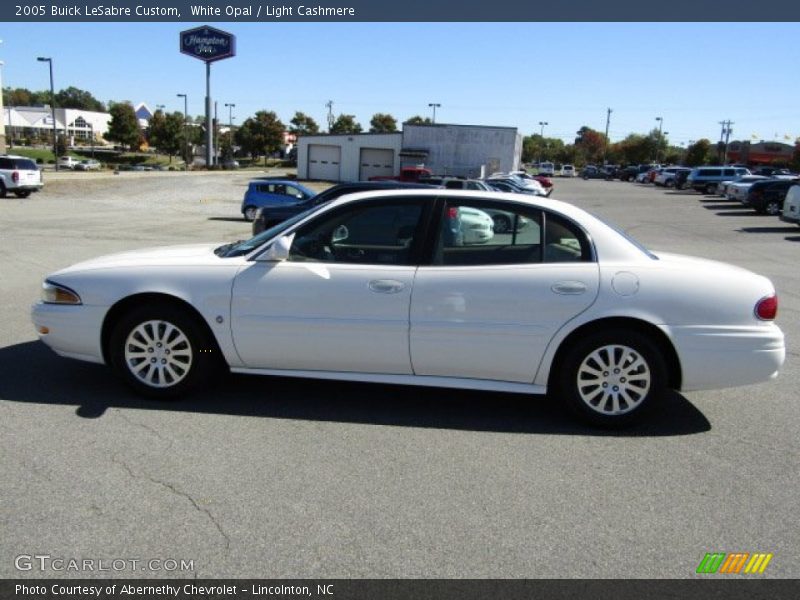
pixel 711 188
pixel 2 190
pixel 612 378
pixel 670 183
pixel 161 352
pixel 250 213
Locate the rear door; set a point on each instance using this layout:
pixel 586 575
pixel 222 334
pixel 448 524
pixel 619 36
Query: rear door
pixel 488 309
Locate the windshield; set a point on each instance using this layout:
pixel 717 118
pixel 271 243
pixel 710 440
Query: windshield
pixel 243 247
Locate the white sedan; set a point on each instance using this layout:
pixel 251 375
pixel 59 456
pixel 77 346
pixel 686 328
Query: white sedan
pixel 377 287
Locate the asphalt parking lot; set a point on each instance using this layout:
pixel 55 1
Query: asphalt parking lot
pixel 287 478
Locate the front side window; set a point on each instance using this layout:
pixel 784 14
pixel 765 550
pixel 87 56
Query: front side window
pixel 381 234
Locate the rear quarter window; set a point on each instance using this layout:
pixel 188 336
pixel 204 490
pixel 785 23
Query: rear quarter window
pixel 24 164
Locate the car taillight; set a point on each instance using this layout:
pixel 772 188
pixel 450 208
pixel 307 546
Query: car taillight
pixel 15 176
pixel 767 308
pixel 452 212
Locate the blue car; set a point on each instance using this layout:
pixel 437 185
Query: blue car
pixel 272 192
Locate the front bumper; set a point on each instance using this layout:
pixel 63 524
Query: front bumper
pixel 72 330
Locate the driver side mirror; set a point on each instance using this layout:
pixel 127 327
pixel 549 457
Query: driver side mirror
pixel 278 251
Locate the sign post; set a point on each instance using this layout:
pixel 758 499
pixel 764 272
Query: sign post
pixel 208 44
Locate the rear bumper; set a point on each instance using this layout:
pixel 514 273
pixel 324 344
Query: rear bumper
pixel 786 219
pixel 27 187
pixel 720 357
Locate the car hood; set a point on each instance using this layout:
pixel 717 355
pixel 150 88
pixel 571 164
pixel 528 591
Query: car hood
pixel 167 256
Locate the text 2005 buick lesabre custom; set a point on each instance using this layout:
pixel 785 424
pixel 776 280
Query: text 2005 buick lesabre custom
pixel 395 287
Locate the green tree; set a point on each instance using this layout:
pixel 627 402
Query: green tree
pixel 382 123
pixel 698 153
pixel 261 134
pixel 302 124
pixel 166 133
pixel 73 97
pixel 346 124
pixel 417 120
pixel 124 126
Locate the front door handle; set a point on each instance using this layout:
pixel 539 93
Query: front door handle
pixel 386 286
pixel 569 287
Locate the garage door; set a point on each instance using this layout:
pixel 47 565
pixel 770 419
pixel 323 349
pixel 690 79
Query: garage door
pixel 324 162
pixel 376 162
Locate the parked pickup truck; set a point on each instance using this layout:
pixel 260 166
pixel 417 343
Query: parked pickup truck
pixel 407 175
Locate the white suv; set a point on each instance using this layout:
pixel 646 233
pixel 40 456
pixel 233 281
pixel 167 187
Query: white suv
pixel 20 175
pixel 791 206
pixel 68 162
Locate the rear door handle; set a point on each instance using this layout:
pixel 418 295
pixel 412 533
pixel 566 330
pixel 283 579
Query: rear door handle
pixel 569 287
pixel 386 286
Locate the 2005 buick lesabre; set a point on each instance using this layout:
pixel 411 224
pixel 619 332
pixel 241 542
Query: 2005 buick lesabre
pixel 416 287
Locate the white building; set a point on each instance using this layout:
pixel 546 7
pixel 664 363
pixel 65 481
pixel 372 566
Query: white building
pixel 460 150
pixel 23 122
pixel 348 157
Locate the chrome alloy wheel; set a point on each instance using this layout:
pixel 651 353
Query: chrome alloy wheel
pixel 158 354
pixel 613 380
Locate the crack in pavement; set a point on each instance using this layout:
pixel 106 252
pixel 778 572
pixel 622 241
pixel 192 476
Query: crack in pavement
pixel 171 487
pixel 155 432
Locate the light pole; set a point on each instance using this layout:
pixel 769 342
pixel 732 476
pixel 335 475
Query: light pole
pixel 230 108
pixel 541 135
pixel 658 140
pixel 185 136
pixel 434 106
pixel 3 120
pixel 52 106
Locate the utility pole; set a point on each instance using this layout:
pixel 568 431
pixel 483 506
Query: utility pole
pixel 726 134
pixel 329 104
pixel 608 122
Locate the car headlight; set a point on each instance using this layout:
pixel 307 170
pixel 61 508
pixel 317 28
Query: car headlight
pixel 53 293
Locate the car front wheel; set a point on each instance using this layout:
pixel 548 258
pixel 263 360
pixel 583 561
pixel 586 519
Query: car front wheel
pixel 250 213
pixel 161 351
pixel 611 378
pixel 773 208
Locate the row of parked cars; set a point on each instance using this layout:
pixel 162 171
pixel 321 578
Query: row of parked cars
pixel 767 190
pixel 268 202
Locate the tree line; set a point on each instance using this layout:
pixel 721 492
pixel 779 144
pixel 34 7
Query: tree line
pixel 262 134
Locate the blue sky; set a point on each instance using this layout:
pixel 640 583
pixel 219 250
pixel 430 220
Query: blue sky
pixel 516 74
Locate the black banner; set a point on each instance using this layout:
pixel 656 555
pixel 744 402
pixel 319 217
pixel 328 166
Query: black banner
pixel 403 589
pixel 407 10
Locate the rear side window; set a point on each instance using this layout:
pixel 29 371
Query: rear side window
pixel 24 164
pixel 6 163
pixel 710 172
pixel 481 233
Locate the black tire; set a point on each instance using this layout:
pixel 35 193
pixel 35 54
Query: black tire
pixel 710 188
pixel 22 193
pixel 2 190
pixel 502 224
pixel 772 208
pixel 670 183
pixel 188 354
pixel 642 381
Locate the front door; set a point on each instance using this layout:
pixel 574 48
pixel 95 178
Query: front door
pixel 341 301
